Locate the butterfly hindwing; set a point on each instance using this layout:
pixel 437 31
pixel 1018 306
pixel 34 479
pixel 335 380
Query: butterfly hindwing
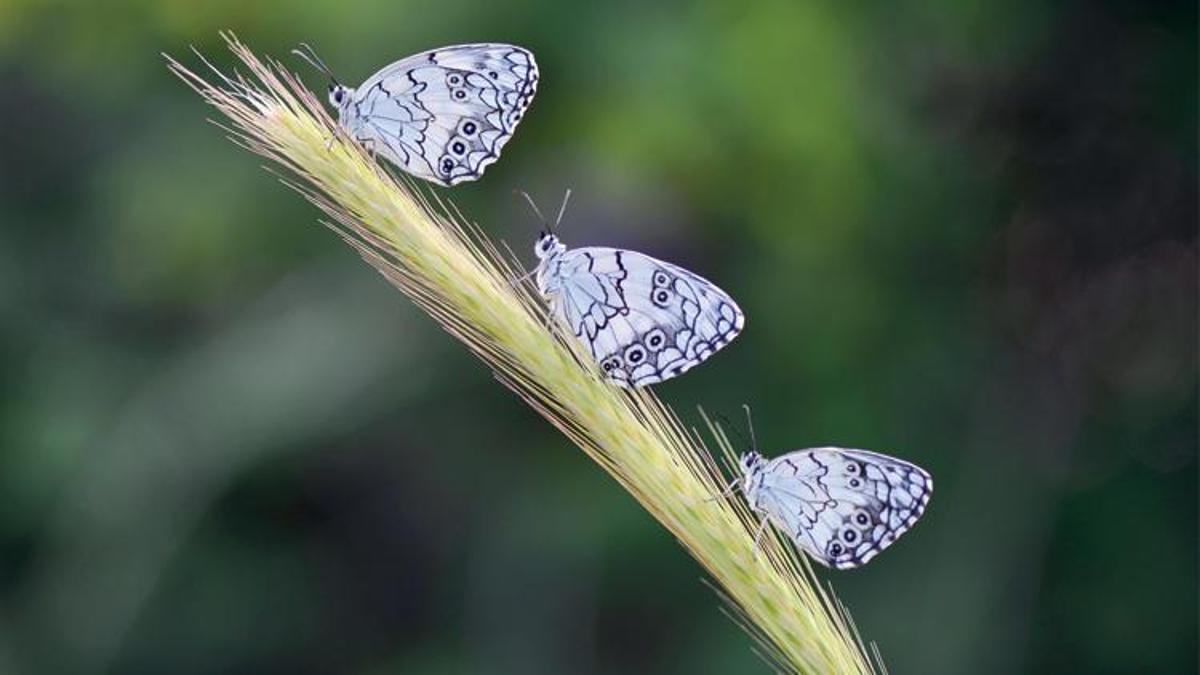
pixel 445 114
pixel 642 319
pixel 842 506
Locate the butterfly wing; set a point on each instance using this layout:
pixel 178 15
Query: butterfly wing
pixel 444 115
pixel 843 506
pixel 642 319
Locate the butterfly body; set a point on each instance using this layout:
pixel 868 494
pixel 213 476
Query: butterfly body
pixel 841 506
pixel 442 115
pixel 643 320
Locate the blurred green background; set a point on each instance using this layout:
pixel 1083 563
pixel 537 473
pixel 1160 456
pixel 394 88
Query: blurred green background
pixel 963 233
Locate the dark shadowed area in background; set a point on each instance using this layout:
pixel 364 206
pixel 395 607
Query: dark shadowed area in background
pixel 963 234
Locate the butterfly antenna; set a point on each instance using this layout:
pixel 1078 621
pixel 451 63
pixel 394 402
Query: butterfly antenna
pixel 750 426
pixel 562 209
pixel 533 206
pixel 726 424
pixel 313 60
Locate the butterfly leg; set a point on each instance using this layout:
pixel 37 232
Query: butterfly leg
pixel 517 281
pixel 367 144
pixel 729 489
pixel 762 528
pixel 551 312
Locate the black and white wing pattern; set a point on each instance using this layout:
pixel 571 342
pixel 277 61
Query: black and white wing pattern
pixel 445 114
pixel 642 319
pixel 841 506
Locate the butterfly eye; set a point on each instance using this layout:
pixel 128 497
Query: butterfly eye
pixel 854 482
pixel 460 95
pixel 862 518
pixel 454 80
pixel 849 535
pixel 835 549
pixel 661 278
pixel 661 298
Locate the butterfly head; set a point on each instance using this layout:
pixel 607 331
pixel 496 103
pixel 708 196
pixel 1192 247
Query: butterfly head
pixel 548 246
pixel 339 95
pixel 750 462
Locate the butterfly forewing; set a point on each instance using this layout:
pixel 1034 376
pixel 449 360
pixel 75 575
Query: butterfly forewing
pixel 445 114
pixel 643 320
pixel 841 506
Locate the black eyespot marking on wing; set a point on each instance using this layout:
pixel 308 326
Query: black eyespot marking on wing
pixel 655 340
pixel 611 364
pixel 635 354
pixel 661 297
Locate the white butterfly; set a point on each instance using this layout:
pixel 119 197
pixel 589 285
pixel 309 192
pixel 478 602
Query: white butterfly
pixel 441 115
pixel 642 319
pixel 840 506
